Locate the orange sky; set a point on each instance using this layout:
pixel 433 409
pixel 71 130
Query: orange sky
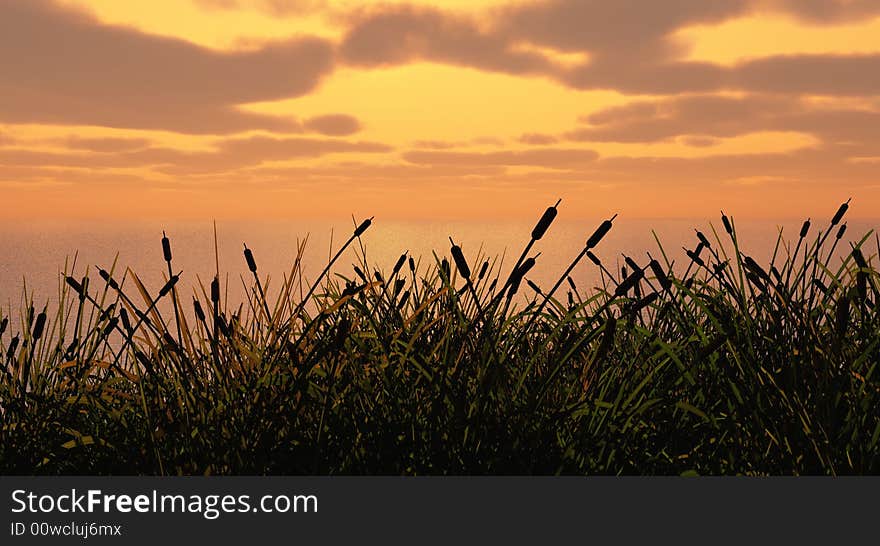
pixel 294 108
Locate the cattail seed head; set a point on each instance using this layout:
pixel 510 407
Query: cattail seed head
pixel 249 258
pixel 403 299
pixel 838 216
pixel 805 228
pixel 754 279
pixel 628 283
pixel 123 316
pixel 39 325
pixel 703 240
pixel 378 277
pixel 13 345
pixel 545 221
pixel 483 269
pixel 169 285
pixel 84 282
pixel 215 290
pixel 593 258
pixel 166 247
pixel 108 279
pixel 631 263
pixel 110 326
pixel 197 307
pixel 169 341
pixel 600 232
pixel 859 258
pixel 3 324
pixel 412 264
pixel 660 275
pixel 840 231
pixel 360 273
pixel 517 276
pixel 74 284
pixel 221 325
pixel 534 286
pixel 363 227
pixel 726 221
pixel 526 266
pixel 460 262
pixel 571 283
pixel 399 264
pixel 775 273
pixel 753 266
pixel 644 302
pixel 695 256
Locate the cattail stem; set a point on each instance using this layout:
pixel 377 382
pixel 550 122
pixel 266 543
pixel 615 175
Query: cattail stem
pixel 166 252
pixel 252 266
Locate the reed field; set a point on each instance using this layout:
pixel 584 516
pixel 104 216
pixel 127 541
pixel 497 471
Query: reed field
pixel 443 364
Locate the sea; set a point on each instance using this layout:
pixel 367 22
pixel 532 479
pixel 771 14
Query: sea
pixel 34 256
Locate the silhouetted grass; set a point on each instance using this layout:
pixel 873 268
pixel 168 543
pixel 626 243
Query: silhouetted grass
pixel 717 366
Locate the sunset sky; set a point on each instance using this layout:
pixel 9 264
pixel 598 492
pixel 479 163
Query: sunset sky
pixel 479 109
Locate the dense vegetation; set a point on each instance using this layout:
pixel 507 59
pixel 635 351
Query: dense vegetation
pixel 717 366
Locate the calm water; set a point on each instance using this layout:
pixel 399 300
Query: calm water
pixel 36 254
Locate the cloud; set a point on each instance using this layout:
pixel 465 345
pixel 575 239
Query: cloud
pixel 825 11
pixel 105 144
pixel 707 115
pixel 546 157
pixel 722 116
pixel 65 67
pixel 277 8
pixel 282 8
pixel 236 153
pixel 624 29
pixel 394 35
pixel 699 141
pixel 538 139
pixel 229 154
pixel 814 74
pixel 630 45
pixel 436 144
pixel 390 172
pixel 30 176
pixel 333 125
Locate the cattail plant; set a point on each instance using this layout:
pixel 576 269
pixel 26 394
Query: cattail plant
pixel 659 372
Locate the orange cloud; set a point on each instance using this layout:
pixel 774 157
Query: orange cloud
pixel 333 124
pixel 65 67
